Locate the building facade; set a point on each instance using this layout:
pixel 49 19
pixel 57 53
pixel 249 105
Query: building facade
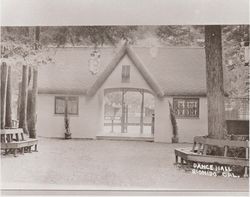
pixel 125 92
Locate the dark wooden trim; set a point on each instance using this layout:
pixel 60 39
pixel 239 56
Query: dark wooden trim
pixel 142 111
pixel 123 113
pixel 63 97
pixel 144 71
pixel 102 78
pixel 186 99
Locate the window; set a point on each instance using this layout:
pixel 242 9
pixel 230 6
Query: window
pixel 186 107
pixel 125 73
pixel 60 104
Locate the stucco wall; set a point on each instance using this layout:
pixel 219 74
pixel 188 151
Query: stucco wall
pixel 190 127
pixel 83 125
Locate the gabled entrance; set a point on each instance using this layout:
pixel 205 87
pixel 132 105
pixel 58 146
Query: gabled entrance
pixel 128 112
pixel 129 90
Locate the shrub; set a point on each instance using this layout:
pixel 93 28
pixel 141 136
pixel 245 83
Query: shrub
pixel 173 121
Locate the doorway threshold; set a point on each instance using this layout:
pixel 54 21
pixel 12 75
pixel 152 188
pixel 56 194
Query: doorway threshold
pixel 125 137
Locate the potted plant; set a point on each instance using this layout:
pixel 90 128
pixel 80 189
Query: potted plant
pixel 66 122
pixel 175 138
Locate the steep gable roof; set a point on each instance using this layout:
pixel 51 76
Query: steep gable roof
pixel 126 50
pixel 173 71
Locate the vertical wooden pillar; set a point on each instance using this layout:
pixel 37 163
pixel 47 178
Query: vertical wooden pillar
pixel 153 124
pixel 215 89
pixel 126 118
pixel 33 114
pixel 8 117
pixel 4 75
pixel 123 110
pixel 142 112
pixel 23 101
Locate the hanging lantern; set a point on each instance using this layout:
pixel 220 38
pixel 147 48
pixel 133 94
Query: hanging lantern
pixel 94 62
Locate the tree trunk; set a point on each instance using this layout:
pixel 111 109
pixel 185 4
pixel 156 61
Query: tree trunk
pixel 4 75
pixel 29 103
pixel 215 89
pixel 37 37
pixel 33 96
pixel 23 101
pixel 19 100
pixel 8 117
pixel 33 115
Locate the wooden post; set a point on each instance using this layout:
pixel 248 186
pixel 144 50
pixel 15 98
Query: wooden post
pixel 142 112
pixel 215 89
pixel 4 75
pixel 112 125
pixel 123 110
pixel 205 149
pixel 126 118
pixel 33 115
pixel 23 101
pixel 153 124
pixel 8 117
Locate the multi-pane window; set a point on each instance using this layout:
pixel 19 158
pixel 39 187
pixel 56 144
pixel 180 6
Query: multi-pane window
pixel 72 104
pixel 186 107
pixel 125 73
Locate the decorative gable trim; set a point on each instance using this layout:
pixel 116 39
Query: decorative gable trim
pixel 144 72
pixel 126 49
pixel 101 79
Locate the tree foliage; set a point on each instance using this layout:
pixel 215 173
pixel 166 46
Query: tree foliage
pixel 177 35
pixel 87 35
pixel 18 44
pixel 236 73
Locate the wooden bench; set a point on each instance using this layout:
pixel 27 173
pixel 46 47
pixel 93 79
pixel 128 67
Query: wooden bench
pixel 13 140
pixel 199 151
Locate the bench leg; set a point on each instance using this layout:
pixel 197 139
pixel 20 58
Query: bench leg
pixel 182 161
pixel 29 148
pixel 36 148
pixel 6 152
pixel 15 152
pixel 176 158
pixel 245 173
pixel 22 150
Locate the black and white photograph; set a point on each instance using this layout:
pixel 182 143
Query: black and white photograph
pixel 122 102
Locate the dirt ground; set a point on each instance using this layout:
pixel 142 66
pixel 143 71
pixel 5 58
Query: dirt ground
pixel 100 164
